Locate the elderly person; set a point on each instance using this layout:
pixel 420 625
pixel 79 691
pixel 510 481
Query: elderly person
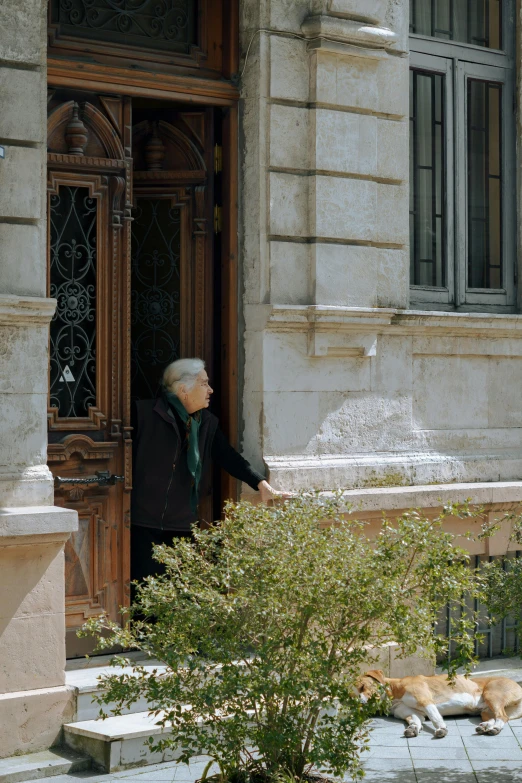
pixel 175 440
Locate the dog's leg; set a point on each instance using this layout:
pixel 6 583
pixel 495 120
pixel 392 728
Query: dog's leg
pixel 414 722
pixel 493 719
pixel 494 714
pixel 438 721
pixel 490 725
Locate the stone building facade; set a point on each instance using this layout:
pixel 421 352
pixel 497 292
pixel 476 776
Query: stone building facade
pixel 344 374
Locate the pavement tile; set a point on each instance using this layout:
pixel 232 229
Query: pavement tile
pixel 388 728
pixel 385 764
pixel 161 771
pixel 154 777
pixel 388 752
pixel 468 728
pixel 383 721
pixel 503 773
pixel 425 776
pixel 449 741
pixel 495 754
pixel 488 741
pixel 436 765
pixel 496 766
pixel 438 751
pixel 377 776
pixel 379 737
pixel 183 773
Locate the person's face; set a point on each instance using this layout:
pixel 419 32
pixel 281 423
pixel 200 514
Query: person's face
pixel 199 396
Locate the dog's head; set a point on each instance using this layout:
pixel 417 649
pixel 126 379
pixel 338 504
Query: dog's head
pixel 368 684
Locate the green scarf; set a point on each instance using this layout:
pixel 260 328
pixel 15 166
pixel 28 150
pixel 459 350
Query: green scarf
pixel 192 423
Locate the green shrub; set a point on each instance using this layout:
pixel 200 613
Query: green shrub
pixel 265 622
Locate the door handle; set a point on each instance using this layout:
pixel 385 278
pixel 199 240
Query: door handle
pixel 102 477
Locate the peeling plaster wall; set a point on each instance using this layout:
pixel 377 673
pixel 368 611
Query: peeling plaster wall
pixel 344 386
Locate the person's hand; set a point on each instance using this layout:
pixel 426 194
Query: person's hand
pixel 268 493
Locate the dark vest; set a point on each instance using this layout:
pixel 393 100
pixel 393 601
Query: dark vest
pixel 161 479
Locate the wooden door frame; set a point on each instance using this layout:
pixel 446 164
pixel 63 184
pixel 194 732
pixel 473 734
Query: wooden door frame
pixel 230 292
pixel 204 92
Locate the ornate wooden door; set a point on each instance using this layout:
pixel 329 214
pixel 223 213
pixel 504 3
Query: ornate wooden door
pixel 128 304
pixel 89 211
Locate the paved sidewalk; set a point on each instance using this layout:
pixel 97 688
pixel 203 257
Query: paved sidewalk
pixel 461 757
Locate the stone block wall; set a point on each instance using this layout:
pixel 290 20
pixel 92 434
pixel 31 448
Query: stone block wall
pixel 324 202
pixel 34 701
pixel 344 386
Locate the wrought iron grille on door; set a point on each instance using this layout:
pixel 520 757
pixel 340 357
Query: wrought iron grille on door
pixel 167 24
pixel 73 224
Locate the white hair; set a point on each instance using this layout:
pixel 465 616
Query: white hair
pixel 183 372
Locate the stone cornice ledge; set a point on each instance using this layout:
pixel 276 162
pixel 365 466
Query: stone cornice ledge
pixel 430 496
pixel 29 522
pixel 323 318
pixel 326 32
pixel 433 495
pixel 25 310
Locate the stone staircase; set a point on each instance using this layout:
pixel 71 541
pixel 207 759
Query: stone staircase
pixel 46 764
pixel 89 742
pixel 119 743
pixel 113 743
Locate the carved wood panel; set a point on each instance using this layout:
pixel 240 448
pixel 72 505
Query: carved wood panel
pixel 99 163
pixel 89 170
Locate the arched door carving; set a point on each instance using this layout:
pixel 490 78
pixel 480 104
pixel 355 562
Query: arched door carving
pixel 89 213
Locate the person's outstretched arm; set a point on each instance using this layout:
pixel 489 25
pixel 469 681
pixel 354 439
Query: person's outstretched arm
pixel 231 460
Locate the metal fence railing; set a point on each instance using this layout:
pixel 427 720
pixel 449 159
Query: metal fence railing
pixel 491 640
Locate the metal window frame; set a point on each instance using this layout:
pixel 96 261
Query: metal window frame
pixel 460 62
pixel 430 294
pixel 469 51
pixel 504 297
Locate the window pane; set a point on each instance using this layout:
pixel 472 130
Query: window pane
pixel 73 223
pixel 477 22
pixel 484 184
pixel 427 198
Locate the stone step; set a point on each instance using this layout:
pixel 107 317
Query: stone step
pixel 46 764
pixel 119 742
pixel 83 679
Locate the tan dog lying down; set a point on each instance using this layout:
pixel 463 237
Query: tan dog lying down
pixel 496 699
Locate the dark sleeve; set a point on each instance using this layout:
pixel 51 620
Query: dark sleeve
pixel 231 461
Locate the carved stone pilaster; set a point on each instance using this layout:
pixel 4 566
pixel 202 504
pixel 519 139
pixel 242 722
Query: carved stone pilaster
pixel 366 24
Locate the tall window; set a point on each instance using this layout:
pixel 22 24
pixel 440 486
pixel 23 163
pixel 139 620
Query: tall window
pixel 462 154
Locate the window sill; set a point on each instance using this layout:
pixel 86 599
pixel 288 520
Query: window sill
pixel 466 308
